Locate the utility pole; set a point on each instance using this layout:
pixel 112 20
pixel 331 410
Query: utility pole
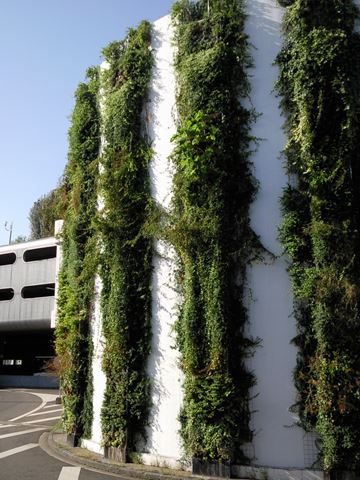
pixel 9 228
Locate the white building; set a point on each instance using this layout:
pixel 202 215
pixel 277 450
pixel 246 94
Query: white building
pixel 280 448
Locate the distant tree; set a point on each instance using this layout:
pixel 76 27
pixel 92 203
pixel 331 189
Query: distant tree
pixel 46 210
pixel 20 239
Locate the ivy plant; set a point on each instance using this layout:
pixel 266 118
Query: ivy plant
pixel 213 188
pixel 126 258
pixel 76 279
pixel 319 84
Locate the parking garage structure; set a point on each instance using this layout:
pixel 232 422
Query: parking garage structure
pixel 27 311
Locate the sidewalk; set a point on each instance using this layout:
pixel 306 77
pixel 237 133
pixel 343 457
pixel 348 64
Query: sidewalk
pixel 54 444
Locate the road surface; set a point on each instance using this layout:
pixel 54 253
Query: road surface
pixel 24 416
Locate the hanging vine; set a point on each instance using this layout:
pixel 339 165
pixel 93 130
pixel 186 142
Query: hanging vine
pixel 127 250
pixel 76 279
pixel 213 188
pixel 319 84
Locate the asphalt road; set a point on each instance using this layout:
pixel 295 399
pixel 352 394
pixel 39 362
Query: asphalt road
pixel 24 416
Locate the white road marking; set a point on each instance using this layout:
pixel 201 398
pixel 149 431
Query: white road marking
pixel 69 473
pixel 51 406
pixel 39 420
pixel 45 398
pixel 43 413
pixel 22 432
pixel 16 450
pixel 8 426
pixel 28 413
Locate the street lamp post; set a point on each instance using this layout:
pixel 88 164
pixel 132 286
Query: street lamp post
pixel 9 228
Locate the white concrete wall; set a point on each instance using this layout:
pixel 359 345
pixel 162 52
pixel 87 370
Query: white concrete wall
pixel 163 439
pixel 277 441
pixel 99 379
pixel 163 445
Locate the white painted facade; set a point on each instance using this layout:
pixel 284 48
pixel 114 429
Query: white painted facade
pixel 163 439
pixel 278 443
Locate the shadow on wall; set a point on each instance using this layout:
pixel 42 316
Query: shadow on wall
pixel 158 117
pixel 277 442
pixel 268 27
pixel 161 176
pixel 263 26
pixel 165 317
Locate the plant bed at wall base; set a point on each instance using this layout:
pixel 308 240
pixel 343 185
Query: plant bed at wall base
pixel 220 469
pixel 73 440
pixel 116 454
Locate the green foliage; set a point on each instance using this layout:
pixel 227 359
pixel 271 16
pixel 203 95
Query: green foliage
pixel 19 239
pixel 319 83
pixel 213 188
pixel 76 280
pixel 46 210
pixel 126 249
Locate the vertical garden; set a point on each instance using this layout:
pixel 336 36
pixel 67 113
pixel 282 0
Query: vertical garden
pixel 110 224
pixel 79 263
pixel 111 243
pixel 126 258
pixel 213 188
pixel 209 227
pixel 319 83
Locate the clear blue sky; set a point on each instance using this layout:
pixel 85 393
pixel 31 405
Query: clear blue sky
pixel 45 48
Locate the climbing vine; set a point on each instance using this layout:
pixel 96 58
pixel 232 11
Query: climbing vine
pixel 213 188
pixel 127 251
pixel 319 83
pixel 76 279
